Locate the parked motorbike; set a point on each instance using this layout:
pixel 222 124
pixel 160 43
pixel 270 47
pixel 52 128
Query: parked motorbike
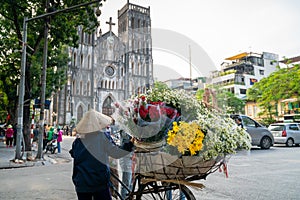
pixel 51 146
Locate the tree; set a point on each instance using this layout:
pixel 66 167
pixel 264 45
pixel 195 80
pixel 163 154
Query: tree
pixel 63 31
pixel 226 101
pixel 281 84
pixel 161 85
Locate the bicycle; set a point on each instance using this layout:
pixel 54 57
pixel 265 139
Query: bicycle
pixel 146 187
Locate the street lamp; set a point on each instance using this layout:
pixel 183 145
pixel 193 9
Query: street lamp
pixel 22 78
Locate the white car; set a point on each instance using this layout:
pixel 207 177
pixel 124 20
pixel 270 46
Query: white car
pixel 286 133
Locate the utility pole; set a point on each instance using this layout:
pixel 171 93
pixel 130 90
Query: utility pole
pixel 190 62
pixel 22 78
pixel 43 95
pixel 21 93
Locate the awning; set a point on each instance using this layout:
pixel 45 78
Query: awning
pixel 290 100
pixel 238 56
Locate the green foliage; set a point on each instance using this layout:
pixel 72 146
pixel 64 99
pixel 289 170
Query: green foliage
pixel 226 101
pixel 62 31
pixel 199 94
pixel 281 84
pixel 161 86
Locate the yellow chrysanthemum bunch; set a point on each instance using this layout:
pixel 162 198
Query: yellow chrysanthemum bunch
pixel 187 137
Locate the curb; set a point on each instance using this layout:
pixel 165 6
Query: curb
pixel 11 164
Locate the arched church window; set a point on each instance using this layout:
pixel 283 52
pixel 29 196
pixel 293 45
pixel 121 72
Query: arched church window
pixel 79 113
pixel 107 107
pixel 89 62
pixel 80 88
pixel 132 23
pixel 132 68
pixel 74 59
pixel 88 88
pixel 74 87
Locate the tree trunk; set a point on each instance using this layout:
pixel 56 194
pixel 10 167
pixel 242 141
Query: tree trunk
pixel 26 114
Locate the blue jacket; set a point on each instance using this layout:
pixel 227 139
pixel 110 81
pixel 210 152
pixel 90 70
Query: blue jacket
pixel 91 164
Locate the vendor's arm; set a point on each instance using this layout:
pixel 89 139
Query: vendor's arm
pixel 113 150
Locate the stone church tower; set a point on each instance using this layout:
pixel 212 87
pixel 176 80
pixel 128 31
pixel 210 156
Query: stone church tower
pixel 107 68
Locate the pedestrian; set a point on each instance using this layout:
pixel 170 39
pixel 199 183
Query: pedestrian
pixel 15 133
pixel 239 122
pixel 126 163
pixel 91 151
pixel 50 134
pixel 35 134
pixel 45 137
pixel 59 139
pixel 67 130
pixel 9 135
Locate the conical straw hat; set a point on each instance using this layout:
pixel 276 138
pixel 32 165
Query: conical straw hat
pixel 93 121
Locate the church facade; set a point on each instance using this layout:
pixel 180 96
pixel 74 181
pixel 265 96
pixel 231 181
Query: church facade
pixel 107 68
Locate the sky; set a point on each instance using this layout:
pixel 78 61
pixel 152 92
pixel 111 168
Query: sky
pixel 202 33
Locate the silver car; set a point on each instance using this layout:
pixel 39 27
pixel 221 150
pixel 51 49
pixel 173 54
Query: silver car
pixel 260 135
pixel 286 133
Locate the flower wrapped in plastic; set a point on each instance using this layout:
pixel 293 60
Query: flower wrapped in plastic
pixel 148 121
pixel 183 137
pixel 154 118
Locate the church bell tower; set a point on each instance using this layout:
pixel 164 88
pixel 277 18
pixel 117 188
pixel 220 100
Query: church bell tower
pixel 134 30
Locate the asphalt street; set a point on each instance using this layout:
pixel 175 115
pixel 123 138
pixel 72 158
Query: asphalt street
pixel 272 174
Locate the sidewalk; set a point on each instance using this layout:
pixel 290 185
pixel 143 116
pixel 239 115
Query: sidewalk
pixel 7 156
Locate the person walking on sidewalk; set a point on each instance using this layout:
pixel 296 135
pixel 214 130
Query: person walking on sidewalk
pixel 50 134
pixel 9 135
pixel 15 133
pixel 59 139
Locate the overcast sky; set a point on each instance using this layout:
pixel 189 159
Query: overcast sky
pixel 221 28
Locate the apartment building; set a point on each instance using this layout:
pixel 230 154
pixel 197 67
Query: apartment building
pixel 239 72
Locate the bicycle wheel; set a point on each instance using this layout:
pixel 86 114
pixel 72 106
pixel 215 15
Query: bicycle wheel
pixel 163 191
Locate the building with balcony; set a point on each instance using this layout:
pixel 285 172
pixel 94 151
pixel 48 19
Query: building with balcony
pixel 285 109
pixel 241 71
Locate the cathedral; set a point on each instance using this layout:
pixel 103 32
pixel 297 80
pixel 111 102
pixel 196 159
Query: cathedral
pixel 107 68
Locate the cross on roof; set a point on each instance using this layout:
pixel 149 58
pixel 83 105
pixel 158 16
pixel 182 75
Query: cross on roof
pixel 110 23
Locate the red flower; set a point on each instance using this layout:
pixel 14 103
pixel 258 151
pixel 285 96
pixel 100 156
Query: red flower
pixel 169 112
pixel 143 98
pixel 143 112
pixel 157 103
pixel 153 113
